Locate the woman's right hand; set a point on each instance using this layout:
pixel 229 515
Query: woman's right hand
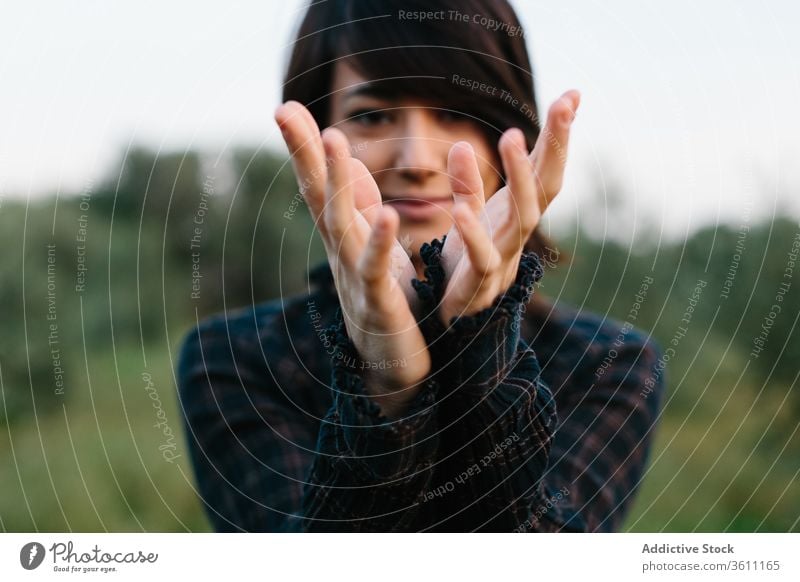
pixel 369 266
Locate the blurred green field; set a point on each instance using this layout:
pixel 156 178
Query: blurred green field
pixel 94 464
pixel 727 449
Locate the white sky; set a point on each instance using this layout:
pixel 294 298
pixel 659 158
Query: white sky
pixel 689 109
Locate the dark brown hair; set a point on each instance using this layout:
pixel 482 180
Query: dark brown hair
pixel 439 50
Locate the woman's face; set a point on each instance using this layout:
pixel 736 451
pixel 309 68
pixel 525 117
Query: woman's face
pixel 404 143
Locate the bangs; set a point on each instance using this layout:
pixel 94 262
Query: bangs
pixel 432 74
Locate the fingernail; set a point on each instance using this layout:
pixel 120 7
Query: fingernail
pixel 572 107
pixel 577 99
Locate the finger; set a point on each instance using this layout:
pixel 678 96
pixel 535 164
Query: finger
pixel 376 261
pixel 466 182
pixel 367 195
pixel 523 211
pixel 312 126
pixel 308 156
pixel 549 156
pixel 483 255
pixel 339 212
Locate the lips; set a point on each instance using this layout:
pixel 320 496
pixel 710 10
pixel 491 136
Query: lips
pixel 419 208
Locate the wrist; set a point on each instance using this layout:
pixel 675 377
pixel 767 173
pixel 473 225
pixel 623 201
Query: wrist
pixel 384 389
pixel 391 396
pixel 471 349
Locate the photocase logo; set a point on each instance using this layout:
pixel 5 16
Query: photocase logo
pixel 31 555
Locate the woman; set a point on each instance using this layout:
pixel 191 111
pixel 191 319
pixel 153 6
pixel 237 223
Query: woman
pixel 419 393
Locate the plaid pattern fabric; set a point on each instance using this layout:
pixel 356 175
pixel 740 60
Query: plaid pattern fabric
pixel 526 425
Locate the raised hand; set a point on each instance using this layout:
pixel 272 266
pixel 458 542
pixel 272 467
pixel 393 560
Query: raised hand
pixel 370 267
pixel 483 248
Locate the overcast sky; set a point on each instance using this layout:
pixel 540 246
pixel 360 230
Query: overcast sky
pixel 689 109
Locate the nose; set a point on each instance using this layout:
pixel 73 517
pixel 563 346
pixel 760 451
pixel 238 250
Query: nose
pixel 421 153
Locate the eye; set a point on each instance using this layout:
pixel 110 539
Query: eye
pixel 370 117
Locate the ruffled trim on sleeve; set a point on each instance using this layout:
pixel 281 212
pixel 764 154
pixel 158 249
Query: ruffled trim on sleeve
pixel 478 348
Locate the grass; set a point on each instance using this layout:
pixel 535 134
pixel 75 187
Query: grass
pixel 94 463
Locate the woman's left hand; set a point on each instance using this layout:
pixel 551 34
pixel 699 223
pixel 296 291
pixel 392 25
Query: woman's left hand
pixel 483 248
